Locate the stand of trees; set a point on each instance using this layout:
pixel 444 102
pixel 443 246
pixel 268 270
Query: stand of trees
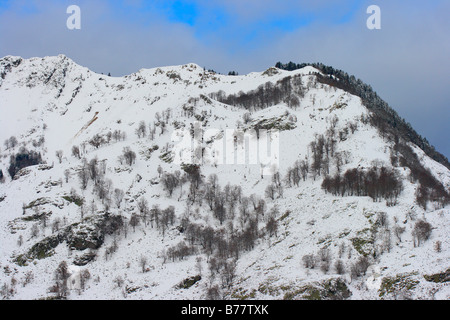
pixel 22 160
pixel 287 90
pixel 375 182
pixel 98 140
pixel 430 189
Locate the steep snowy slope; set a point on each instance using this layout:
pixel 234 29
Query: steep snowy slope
pixel 180 183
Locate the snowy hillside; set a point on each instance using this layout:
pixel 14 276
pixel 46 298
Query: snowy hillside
pixel 180 183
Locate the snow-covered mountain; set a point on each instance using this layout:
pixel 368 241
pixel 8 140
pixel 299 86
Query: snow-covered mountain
pixel 181 183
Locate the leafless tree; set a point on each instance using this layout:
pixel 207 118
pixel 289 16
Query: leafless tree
pixel 142 205
pixel 11 143
pixel 219 207
pixel 56 224
pixel 85 275
pixel 421 232
pixel 360 267
pixel 118 197
pixel 143 263
pixel 129 156
pixel 228 273
pixel 20 241
pixel 213 293
pixel 103 190
pixel 158 116
pixel 169 182
pixel 59 155
pixel 83 175
pixel 93 169
pixel 34 231
pixel 97 141
pixel 270 191
pixel 134 221
pixel 272 226
pixel 309 261
pixel 141 131
pixel 28 278
pixel 61 276
pixel 118 281
pixel 438 246
pixel 247 117
pixel 67 175
pixel 339 267
pixel 398 231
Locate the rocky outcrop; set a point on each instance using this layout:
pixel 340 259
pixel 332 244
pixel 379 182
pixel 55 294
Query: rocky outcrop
pixel 88 234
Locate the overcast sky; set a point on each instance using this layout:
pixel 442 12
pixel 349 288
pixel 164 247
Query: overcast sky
pixel 407 62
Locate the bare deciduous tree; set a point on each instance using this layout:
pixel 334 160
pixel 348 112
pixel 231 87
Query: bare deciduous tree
pixel 270 191
pixel 59 155
pixel 421 232
pixel 309 261
pixel 143 263
pixel 141 131
pixel 83 175
pixel 170 182
pixel 228 273
pixel 339 267
pixel 134 221
pixel 129 156
pixel 272 226
pixel 67 175
pixel 61 276
pixel 118 197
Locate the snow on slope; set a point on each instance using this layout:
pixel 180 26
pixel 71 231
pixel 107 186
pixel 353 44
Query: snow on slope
pixel 67 105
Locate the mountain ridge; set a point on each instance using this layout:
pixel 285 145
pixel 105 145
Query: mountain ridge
pixel 331 76
pixel 372 101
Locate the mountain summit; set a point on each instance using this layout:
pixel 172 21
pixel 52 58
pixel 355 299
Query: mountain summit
pixel 297 182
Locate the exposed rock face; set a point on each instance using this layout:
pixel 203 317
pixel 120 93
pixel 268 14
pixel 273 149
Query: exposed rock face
pixel 89 234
